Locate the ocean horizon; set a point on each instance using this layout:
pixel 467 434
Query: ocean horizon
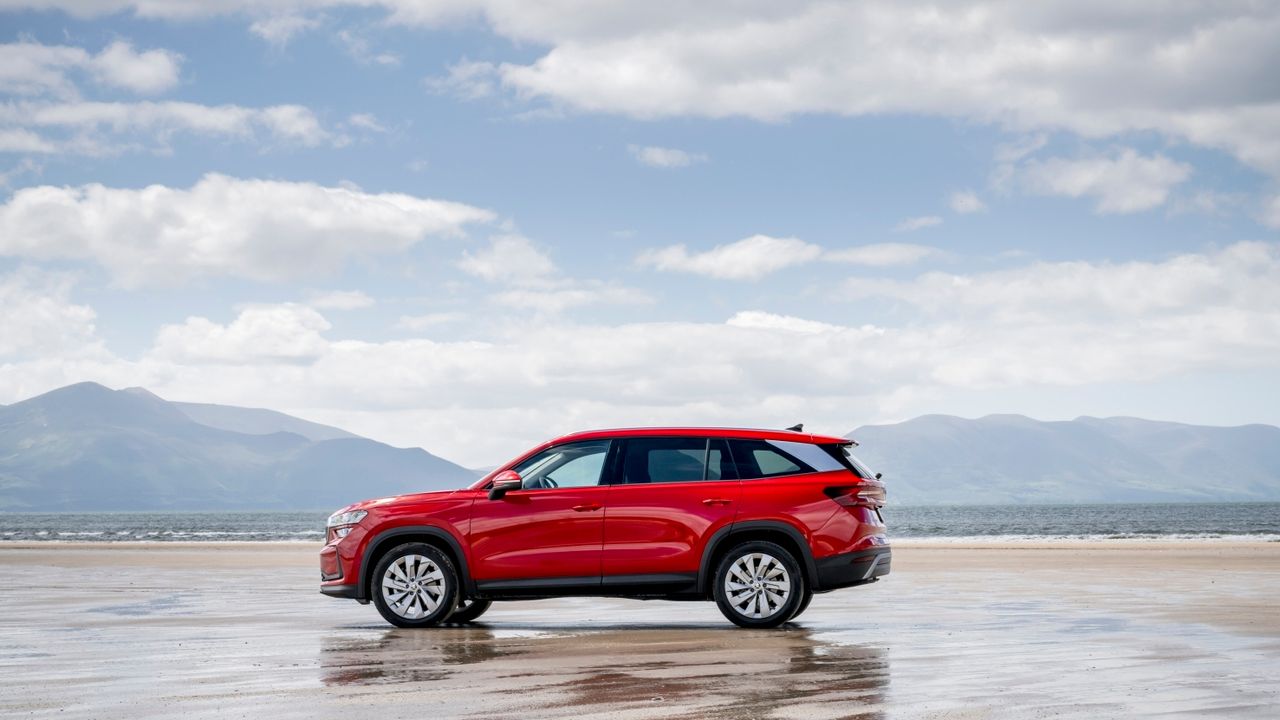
pixel 1224 522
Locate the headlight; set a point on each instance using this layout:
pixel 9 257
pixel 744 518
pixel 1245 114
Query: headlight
pixel 346 518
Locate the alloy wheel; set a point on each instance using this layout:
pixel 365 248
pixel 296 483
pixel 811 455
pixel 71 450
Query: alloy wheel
pixel 413 586
pixel 757 585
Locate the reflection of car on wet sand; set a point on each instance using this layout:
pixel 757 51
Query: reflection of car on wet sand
pixel 692 670
pixel 756 520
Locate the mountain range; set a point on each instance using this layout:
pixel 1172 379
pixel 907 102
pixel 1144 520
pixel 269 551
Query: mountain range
pixel 1011 459
pixel 86 447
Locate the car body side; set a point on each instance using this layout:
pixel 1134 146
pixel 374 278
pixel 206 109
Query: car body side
pixel 653 540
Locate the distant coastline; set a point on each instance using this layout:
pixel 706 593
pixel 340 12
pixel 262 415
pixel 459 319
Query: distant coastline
pixel 932 525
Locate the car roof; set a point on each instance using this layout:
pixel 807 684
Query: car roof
pixel 726 432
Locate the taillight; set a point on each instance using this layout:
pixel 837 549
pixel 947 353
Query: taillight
pixel 867 494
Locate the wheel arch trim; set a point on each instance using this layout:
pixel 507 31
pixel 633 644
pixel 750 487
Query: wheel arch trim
pixel 722 537
pixel 431 531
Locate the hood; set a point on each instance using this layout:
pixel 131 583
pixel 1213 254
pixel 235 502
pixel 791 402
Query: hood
pixel 396 499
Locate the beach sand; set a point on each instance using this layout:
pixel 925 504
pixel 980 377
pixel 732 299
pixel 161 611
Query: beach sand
pixel 956 631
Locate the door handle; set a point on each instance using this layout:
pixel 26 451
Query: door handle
pixel 587 508
pixel 715 501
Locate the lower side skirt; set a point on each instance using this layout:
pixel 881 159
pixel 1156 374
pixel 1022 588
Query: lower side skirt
pixel 666 585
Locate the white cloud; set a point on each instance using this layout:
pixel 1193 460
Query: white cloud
pixel 1125 182
pixel 1271 212
pixel 104 127
pixel 1198 72
pixel 361 50
pixel 661 157
pixel 466 79
pixel 148 72
pixel 1193 73
pixel 419 323
pixel 259 229
pixel 30 68
pixel 917 223
pixel 38 317
pixel 265 333
pixel 341 300
pixel 25 142
pixel 557 300
pixel 750 258
pixel 1241 276
pixel 1041 325
pixel 366 121
pixel 295 123
pixel 509 258
pixel 25 166
pixel 531 282
pixel 770 321
pixel 882 254
pixel 966 202
pixel 280 29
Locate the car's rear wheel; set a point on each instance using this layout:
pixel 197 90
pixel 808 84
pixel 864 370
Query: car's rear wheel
pixel 805 598
pixel 758 585
pixel 415 585
pixel 469 610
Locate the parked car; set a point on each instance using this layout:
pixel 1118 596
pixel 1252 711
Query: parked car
pixel 756 520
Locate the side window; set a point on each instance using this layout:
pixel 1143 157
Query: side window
pixel 815 456
pixel 719 462
pixel 570 465
pixel 668 460
pixel 760 459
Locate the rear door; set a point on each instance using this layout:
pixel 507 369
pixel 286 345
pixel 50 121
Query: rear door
pixel 668 495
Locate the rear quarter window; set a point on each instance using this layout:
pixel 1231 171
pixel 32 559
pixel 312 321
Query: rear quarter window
pixel 766 458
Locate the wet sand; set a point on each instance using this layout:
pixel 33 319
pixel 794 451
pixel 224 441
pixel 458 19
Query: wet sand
pixel 1025 631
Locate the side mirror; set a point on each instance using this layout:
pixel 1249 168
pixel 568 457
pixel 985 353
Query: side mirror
pixel 506 481
pixel 877 476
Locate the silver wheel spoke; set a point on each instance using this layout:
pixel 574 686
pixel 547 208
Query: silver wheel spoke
pixel 413 586
pixel 757 585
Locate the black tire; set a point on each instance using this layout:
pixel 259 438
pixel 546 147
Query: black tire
pixel 766 599
pixel 468 610
pixel 426 575
pixel 805 599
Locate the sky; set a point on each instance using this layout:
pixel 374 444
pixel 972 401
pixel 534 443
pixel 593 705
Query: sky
pixel 472 225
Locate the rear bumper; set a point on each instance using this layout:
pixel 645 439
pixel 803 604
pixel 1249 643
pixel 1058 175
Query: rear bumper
pixel 855 568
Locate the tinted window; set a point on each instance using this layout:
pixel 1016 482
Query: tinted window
pixel 758 458
pixel 719 464
pixel 570 465
pixel 815 456
pixel 680 459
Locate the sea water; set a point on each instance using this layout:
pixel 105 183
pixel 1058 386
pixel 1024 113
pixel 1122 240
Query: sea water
pixel 941 524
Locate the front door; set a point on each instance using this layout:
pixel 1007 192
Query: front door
pixel 552 527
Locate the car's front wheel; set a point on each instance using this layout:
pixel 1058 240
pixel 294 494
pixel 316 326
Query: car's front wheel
pixel 415 585
pixel 758 585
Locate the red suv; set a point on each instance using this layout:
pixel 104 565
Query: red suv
pixel 758 520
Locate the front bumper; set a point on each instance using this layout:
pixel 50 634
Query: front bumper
pixel 855 568
pixel 341 591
